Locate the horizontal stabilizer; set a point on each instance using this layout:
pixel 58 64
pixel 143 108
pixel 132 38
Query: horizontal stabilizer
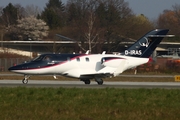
pixel 161 35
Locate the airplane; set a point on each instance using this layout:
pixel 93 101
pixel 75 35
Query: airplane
pixel 93 66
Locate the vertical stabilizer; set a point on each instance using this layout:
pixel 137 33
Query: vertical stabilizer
pixel 145 46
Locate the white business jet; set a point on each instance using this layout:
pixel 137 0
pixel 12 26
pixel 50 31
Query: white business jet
pixel 93 66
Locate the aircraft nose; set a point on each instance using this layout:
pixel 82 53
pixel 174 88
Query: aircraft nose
pixel 13 68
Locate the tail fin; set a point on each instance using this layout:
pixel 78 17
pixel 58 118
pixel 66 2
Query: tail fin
pixel 145 46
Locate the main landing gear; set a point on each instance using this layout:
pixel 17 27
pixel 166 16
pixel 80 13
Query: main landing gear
pixel 86 81
pixel 98 80
pixel 25 80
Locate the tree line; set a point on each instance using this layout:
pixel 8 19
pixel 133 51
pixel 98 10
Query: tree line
pixel 92 23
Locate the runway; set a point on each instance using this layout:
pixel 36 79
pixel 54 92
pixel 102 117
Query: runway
pixel 80 84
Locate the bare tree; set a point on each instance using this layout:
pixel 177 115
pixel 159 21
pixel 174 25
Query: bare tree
pixel 176 8
pixel 170 20
pixel 1 11
pixel 20 11
pixel 32 10
pixel 32 28
pixel 85 23
pixel 91 30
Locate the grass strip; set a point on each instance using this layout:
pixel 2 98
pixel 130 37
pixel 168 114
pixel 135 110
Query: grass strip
pixel 88 104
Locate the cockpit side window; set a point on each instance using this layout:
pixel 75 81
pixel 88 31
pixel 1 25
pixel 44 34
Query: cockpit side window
pixel 47 58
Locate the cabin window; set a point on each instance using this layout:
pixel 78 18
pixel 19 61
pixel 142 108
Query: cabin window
pixel 87 59
pixel 78 59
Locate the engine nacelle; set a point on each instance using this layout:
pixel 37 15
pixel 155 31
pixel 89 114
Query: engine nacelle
pixel 112 61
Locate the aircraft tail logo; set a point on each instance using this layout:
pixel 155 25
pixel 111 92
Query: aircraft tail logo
pixel 145 44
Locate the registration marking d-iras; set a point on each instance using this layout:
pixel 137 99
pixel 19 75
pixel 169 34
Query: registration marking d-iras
pixel 133 52
pixel 177 78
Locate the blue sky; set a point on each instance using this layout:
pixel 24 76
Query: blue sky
pixel 150 8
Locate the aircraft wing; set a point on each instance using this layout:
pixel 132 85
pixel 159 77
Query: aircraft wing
pixel 97 75
pixel 104 72
pixel 109 69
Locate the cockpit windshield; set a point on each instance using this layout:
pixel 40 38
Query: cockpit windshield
pixel 43 58
pixel 38 58
pixel 47 58
pixel 55 57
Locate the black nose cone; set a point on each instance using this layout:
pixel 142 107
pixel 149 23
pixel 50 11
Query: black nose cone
pixel 18 67
pixel 12 68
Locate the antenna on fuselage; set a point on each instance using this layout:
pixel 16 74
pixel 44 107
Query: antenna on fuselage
pixel 104 52
pixel 87 52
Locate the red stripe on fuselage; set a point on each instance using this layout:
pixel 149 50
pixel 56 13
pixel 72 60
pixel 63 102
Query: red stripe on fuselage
pixel 49 66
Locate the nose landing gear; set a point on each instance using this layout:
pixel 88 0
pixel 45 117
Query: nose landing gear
pixel 26 78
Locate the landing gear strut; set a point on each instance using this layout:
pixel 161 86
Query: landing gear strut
pixel 25 80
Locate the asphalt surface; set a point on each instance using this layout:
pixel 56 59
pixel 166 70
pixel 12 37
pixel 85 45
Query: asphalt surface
pixel 80 84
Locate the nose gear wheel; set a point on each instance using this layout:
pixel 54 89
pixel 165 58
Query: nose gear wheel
pixel 26 78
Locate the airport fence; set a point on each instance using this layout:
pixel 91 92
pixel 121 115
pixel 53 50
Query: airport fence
pixel 5 63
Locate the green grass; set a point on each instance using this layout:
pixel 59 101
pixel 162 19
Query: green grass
pixel 89 104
